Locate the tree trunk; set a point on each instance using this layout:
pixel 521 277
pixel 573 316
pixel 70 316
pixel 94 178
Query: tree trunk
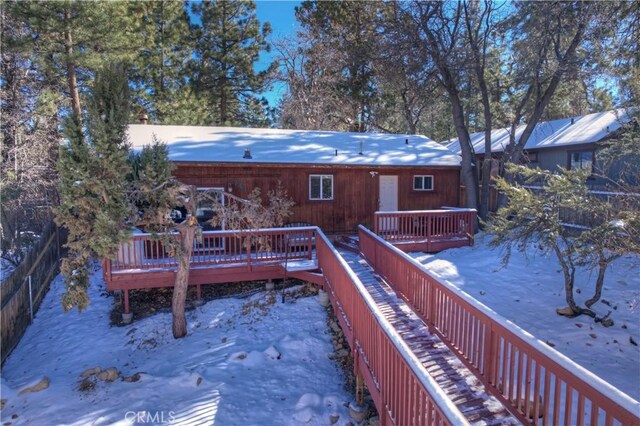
pixel 71 68
pixel 187 232
pixel 488 124
pixel 602 267
pixel 469 178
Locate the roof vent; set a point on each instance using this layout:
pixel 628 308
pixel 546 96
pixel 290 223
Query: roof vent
pixel 406 141
pixel 144 118
pixel 361 148
pixel 572 120
pixel 336 152
pixel 247 154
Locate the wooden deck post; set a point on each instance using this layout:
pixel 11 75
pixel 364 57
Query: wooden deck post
pixel 359 389
pixel 126 300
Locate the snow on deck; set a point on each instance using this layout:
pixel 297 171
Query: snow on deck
pixel 277 146
pixel 456 380
pixel 300 265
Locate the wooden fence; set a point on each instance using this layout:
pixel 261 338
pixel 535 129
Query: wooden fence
pixel 579 219
pixel 568 216
pixel 542 384
pixel 402 390
pixel 22 292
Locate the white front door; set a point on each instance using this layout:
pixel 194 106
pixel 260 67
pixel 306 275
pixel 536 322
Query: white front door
pixel 388 194
pixel 388 201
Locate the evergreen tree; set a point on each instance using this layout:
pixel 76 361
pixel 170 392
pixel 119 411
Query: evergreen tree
pixel 159 73
pixel 29 141
pixel 228 42
pixel 74 38
pixel 93 169
pixel 533 218
pixel 348 31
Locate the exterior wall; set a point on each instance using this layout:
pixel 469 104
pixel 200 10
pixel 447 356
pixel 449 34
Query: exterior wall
pixel 552 159
pixel 355 193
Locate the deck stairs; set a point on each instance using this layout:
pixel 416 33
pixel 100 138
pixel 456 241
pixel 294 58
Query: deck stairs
pixel 458 382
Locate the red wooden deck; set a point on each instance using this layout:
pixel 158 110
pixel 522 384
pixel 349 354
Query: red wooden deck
pixel 432 356
pixel 426 230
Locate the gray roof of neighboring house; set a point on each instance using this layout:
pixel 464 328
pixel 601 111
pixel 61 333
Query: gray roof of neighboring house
pixel 228 144
pixel 588 128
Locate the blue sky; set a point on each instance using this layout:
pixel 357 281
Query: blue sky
pixel 280 14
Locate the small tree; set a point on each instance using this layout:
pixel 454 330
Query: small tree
pixel 251 215
pixel 154 194
pixel 534 216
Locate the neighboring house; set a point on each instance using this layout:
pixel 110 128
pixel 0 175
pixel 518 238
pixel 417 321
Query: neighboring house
pixel 570 142
pixel 337 180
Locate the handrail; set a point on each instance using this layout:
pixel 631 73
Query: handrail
pixel 425 225
pixel 440 210
pixel 146 251
pixel 544 385
pixel 397 380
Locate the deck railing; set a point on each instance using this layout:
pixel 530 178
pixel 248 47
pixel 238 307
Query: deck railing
pixel 401 388
pixel 151 251
pixel 426 225
pixel 543 385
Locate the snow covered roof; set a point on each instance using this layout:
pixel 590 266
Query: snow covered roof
pixel 588 128
pixel 228 144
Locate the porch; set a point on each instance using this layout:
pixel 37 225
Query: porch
pixel 267 254
pixel 427 230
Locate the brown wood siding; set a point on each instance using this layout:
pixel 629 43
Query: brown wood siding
pixel 355 196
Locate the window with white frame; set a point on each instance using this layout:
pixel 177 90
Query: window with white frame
pixel 423 183
pixel 321 187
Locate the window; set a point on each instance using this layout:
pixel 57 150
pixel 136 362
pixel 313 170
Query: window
pixel 581 160
pixel 321 187
pixel 204 208
pixel 529 157
pixel 204 214
pixel 423 183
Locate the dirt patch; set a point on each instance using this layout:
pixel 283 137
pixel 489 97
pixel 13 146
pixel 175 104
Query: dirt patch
pixel 147 302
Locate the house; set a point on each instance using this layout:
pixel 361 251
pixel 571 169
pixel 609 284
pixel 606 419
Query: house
pixel 337 180
pixel 569 142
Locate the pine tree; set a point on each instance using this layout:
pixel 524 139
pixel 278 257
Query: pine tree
pixel 159 73
pixel 343 45
pixel 533 218
pixel 228 41
pixel 29 140
pixel 74 38
pixel 93 169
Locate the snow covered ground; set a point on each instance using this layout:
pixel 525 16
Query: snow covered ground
pixel 530 288
pixel 225 371
pixel 6 269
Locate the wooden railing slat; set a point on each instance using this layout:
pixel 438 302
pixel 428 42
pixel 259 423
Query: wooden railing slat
pixel 503 359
